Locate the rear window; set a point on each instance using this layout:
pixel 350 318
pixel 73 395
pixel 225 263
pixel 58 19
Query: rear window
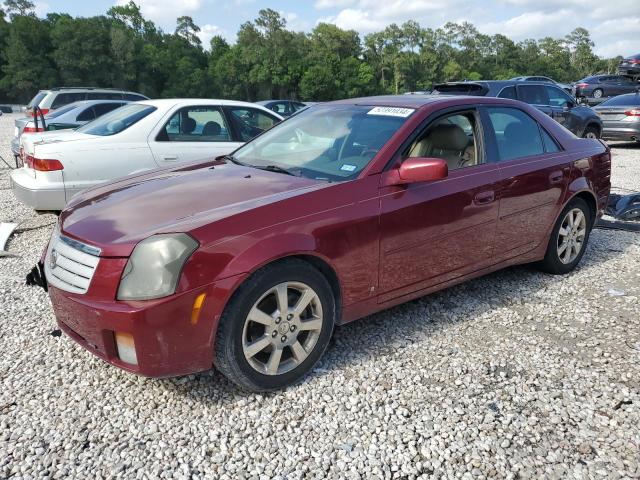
pixel 134 97
pixel 60 111
pixel 622 100
pixel 117 120
pixel 35 101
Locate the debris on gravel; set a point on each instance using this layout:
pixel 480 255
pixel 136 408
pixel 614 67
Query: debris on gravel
pixel 515 375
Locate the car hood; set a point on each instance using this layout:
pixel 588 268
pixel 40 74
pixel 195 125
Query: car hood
pixel 117 215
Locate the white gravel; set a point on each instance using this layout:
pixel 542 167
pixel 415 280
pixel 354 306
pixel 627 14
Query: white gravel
pixel 515 375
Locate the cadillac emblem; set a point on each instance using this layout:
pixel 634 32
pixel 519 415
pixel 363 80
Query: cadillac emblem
pixel 53 259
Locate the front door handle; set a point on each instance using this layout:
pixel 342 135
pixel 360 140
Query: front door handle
pixel 556 177
pixel 170 158
pixel 483 198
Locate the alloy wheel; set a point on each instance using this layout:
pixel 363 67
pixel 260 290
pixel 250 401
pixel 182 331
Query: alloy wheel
pixel 590 135
pixel 597 93
pixel 571 235
pixel 282 328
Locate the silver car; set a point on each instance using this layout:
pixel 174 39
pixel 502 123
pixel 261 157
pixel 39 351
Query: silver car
pixel 620 117
pixel 70 116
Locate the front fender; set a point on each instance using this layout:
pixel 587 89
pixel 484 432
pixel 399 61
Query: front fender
pixel 245 255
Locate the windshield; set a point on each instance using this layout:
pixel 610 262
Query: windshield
pixel 117 120
pixel 326 143
pixel 622 100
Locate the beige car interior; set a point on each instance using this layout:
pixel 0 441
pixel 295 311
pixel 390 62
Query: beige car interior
pixel 447 139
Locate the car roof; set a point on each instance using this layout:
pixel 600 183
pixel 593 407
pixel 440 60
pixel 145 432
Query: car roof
pixel 84 103
pixel 405 101
pixel 163 102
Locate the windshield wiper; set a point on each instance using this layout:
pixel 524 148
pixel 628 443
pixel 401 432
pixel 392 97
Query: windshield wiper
pixel 274 168
pixel 233 159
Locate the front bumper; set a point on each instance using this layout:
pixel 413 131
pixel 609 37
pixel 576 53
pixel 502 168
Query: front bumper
pixel 167 343
pixel 27 190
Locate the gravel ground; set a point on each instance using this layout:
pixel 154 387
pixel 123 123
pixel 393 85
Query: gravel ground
pixel 515 375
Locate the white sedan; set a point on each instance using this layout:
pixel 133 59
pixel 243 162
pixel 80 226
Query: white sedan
pixel 136 137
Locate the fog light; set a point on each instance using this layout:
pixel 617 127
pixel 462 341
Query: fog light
pixel 126 348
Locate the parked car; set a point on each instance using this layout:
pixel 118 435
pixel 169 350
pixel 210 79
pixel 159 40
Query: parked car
pixel 57 97
pixel 70 116
pixel 630 65
pixel 567 88
pixel 249 261
pixel 601 86
pixel 284 108
pixel 550 99
pixel 137 137
pixel 621 117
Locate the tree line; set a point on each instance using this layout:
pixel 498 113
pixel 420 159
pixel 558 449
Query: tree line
pixel 123 49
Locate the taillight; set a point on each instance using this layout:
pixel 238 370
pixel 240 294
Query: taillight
pixel 582 85
pixel 43 110
pixel 633 113
pixel 32 129
pixel 43 164
pixel 635 61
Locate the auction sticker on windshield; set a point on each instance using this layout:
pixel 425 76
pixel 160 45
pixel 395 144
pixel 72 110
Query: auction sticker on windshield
pixel 391 111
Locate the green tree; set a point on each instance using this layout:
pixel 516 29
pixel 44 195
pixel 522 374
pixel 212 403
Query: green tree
pixel 19 8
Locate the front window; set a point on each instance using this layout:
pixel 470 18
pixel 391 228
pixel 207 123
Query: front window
pixel 452 138
pixel 331 143
pixel 203 123
pixel 118 120
pixel 557 98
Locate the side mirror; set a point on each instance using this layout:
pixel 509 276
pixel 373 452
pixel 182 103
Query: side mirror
pixel 418 169
pixel 568 106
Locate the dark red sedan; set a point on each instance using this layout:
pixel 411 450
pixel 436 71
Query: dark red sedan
pixel 248 262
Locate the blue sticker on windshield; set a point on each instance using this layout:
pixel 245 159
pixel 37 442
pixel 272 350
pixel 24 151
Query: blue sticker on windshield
pixel 348 168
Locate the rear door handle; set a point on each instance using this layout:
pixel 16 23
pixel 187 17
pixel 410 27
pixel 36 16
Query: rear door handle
pixel 484 198
pixel 170 158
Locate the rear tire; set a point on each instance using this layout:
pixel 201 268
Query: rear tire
pixel 591 132
pixel 597 93
pixel 569 238
pixel 276 326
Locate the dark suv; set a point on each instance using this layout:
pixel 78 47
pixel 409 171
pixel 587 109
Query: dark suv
pixel 602 86
pixel 551 99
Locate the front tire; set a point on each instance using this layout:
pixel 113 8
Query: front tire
pixel 569 238
pixel 276 326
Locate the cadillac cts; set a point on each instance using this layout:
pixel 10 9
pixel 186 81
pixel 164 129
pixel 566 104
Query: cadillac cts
pixel 247 262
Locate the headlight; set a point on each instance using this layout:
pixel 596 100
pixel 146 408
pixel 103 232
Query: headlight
pixel 154 268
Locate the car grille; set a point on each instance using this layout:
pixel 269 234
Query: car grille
pixel 69 265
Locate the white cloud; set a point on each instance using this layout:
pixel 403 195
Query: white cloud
pixel 208 31
pixel 533 25
pixel 165 12
pixel 294 22
pixel 326 4
pixel 42 8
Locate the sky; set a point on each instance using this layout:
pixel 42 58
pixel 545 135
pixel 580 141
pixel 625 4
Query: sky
pixel 614 25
